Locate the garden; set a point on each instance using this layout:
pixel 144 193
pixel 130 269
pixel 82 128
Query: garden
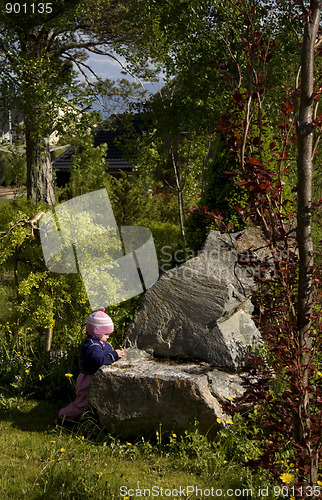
pixel 231 141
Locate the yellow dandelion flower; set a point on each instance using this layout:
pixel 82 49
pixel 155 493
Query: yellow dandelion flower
pixel 62 450
pixel 68 375
pixel 230 399
pixel 229 422
pixel 218 420
pixel 129 444
pixel 126 498
pixel 319 483
pixel 319 374
pixel 291 465
pixel 287 478
pixel 100 474
pixel 27 371
pixel 292 498
pixel 53 442
pixel 40 377
pixel 174 435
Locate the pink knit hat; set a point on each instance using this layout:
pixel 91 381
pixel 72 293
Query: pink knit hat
pixel 99 323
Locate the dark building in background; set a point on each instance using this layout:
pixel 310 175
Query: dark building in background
pixel 110 133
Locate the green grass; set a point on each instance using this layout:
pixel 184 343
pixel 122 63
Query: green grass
pixel 4 201
pixel 7 294
pixel 39 460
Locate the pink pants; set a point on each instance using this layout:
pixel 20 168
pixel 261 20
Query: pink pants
pixel 81 403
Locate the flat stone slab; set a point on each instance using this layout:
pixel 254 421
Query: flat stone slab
pixel 137 394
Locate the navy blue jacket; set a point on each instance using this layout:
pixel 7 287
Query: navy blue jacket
pixel 94 354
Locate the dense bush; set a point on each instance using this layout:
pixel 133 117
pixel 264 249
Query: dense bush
pixel 157 211
pixel 37 300
pixel 221 196
pixel 12 168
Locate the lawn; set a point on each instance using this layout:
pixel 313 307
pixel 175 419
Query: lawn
pixel 39 460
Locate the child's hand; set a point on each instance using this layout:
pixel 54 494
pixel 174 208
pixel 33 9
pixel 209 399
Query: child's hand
pixel 120 353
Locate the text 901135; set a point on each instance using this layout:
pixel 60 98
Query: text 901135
pixel 28 8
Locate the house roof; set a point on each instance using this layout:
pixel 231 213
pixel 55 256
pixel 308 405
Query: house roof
pixel 107 133
pixel 63 161
pixel 114 161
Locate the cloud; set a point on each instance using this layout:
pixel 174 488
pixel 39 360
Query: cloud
pixel 104 67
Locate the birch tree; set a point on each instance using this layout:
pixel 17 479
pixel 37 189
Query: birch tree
pixel 305 129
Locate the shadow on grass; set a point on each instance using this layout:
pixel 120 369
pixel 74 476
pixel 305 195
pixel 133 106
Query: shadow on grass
pixel 39 416
pixel 33 416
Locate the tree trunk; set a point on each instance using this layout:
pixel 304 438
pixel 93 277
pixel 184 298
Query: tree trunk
pixel 40 186
pixel 179 189
pixel 48 339
pixel 302 427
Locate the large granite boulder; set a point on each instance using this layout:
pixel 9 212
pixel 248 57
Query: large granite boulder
pixel 201 310
pixel 186 345
pixel 137 394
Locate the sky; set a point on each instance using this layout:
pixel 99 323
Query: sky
pixel 106 67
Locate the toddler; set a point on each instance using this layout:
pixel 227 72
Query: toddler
pixel 96 351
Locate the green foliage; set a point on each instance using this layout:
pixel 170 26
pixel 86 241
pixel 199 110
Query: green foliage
pixel 132 202
pixel 116 96
pixel 195 41
pixel 37 299
pixel 233 444
pixel 198 225
pixel 167 240
pixel 129 202
pixel 158 212
pixel 170 156
pixel 221 194
pixel 25 370
pixel 12 168
pixel 132 205
pixel 39 78
pixel 3 168
pixel 88 170
pixel 163 207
